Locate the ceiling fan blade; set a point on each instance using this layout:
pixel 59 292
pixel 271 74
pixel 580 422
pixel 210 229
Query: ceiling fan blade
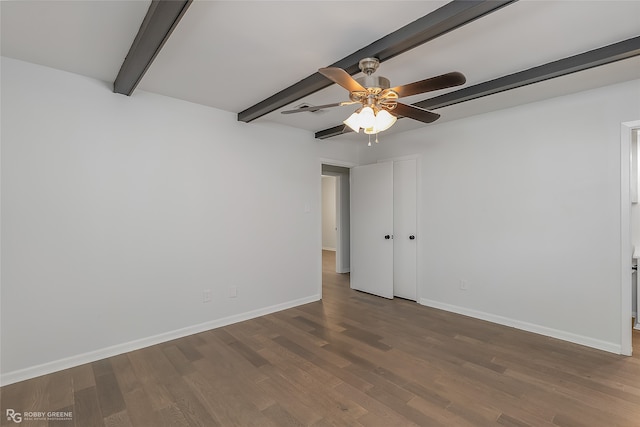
pixel 434 83
pixel 341 77
pixel 415 113
pixel 313 108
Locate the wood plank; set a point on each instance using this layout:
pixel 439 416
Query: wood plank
pixel 140 410
pixel 189 350
pixel 324 363
pixel 377 414
pixel 178 360
pixel 86 408
pixel 225 402
pixel 222 366
pixel 119 419
pixel 243 350
pixel 281 417
pixel 60 390
pixel 127 378
pixel 192 410
pixel 107 388
pixel 82 377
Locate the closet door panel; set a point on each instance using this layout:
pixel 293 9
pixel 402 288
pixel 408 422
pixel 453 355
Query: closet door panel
pixel 404 229
pixel 372 229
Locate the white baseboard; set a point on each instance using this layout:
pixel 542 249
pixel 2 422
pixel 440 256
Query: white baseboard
pixel 525 326
pixel 344 270
pixel 324 248
pixel 92 356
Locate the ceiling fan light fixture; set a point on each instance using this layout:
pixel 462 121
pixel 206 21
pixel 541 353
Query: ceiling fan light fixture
pixel 353 122
pixel 371 120
pixel 384 120
pixel 367 117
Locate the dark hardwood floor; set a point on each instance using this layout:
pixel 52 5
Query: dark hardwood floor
pixel 351 360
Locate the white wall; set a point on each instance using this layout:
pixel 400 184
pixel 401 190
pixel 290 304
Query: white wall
pixel 329 213
pixel 524 204
pixel 117 212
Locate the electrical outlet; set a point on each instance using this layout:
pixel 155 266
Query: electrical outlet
pixel 233 292
pixel 206 295
pixel 464 285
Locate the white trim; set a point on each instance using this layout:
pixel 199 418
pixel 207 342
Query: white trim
pixel 525 326
pixel 92 356
pixel 339 222
pixel 325 248
pixel 626 130
pixel 331 162
pixel 340 268
pixel 340 163
pixel 419 235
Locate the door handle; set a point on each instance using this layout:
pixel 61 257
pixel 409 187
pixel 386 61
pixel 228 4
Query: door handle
pixel 412 237
pixel 387 237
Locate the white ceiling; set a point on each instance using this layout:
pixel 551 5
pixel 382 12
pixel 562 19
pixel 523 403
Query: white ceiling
pixel 233 54
pixel 90 38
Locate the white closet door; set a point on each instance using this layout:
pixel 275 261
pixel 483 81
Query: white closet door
pixel 372 229
pixel 404 227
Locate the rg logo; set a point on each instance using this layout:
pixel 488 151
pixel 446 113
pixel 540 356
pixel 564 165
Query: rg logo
pixel 14 416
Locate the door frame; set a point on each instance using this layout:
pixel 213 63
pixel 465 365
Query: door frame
pixel 342 222
pixel 339 215
pixel 335 179
pixel 626 135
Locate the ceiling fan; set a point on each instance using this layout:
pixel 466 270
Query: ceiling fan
pixel 379 101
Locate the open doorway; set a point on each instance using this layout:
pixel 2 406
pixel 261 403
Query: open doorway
pixel 635 233
pixel 635 225
pixel 335 215
pixel 630 225
pixel 329 214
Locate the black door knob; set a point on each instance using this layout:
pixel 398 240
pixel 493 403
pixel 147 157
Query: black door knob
pixel 412 237
pixel 387 237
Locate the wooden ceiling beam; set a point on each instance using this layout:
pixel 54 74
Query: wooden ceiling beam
pixel 158 24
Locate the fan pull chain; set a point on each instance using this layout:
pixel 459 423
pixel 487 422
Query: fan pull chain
pixel 369 144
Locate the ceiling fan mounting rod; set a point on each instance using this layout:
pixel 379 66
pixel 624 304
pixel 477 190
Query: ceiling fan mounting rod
pixel 377 87
pixel 371 100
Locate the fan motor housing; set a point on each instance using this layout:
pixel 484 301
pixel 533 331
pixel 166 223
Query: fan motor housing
pixel 371 82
